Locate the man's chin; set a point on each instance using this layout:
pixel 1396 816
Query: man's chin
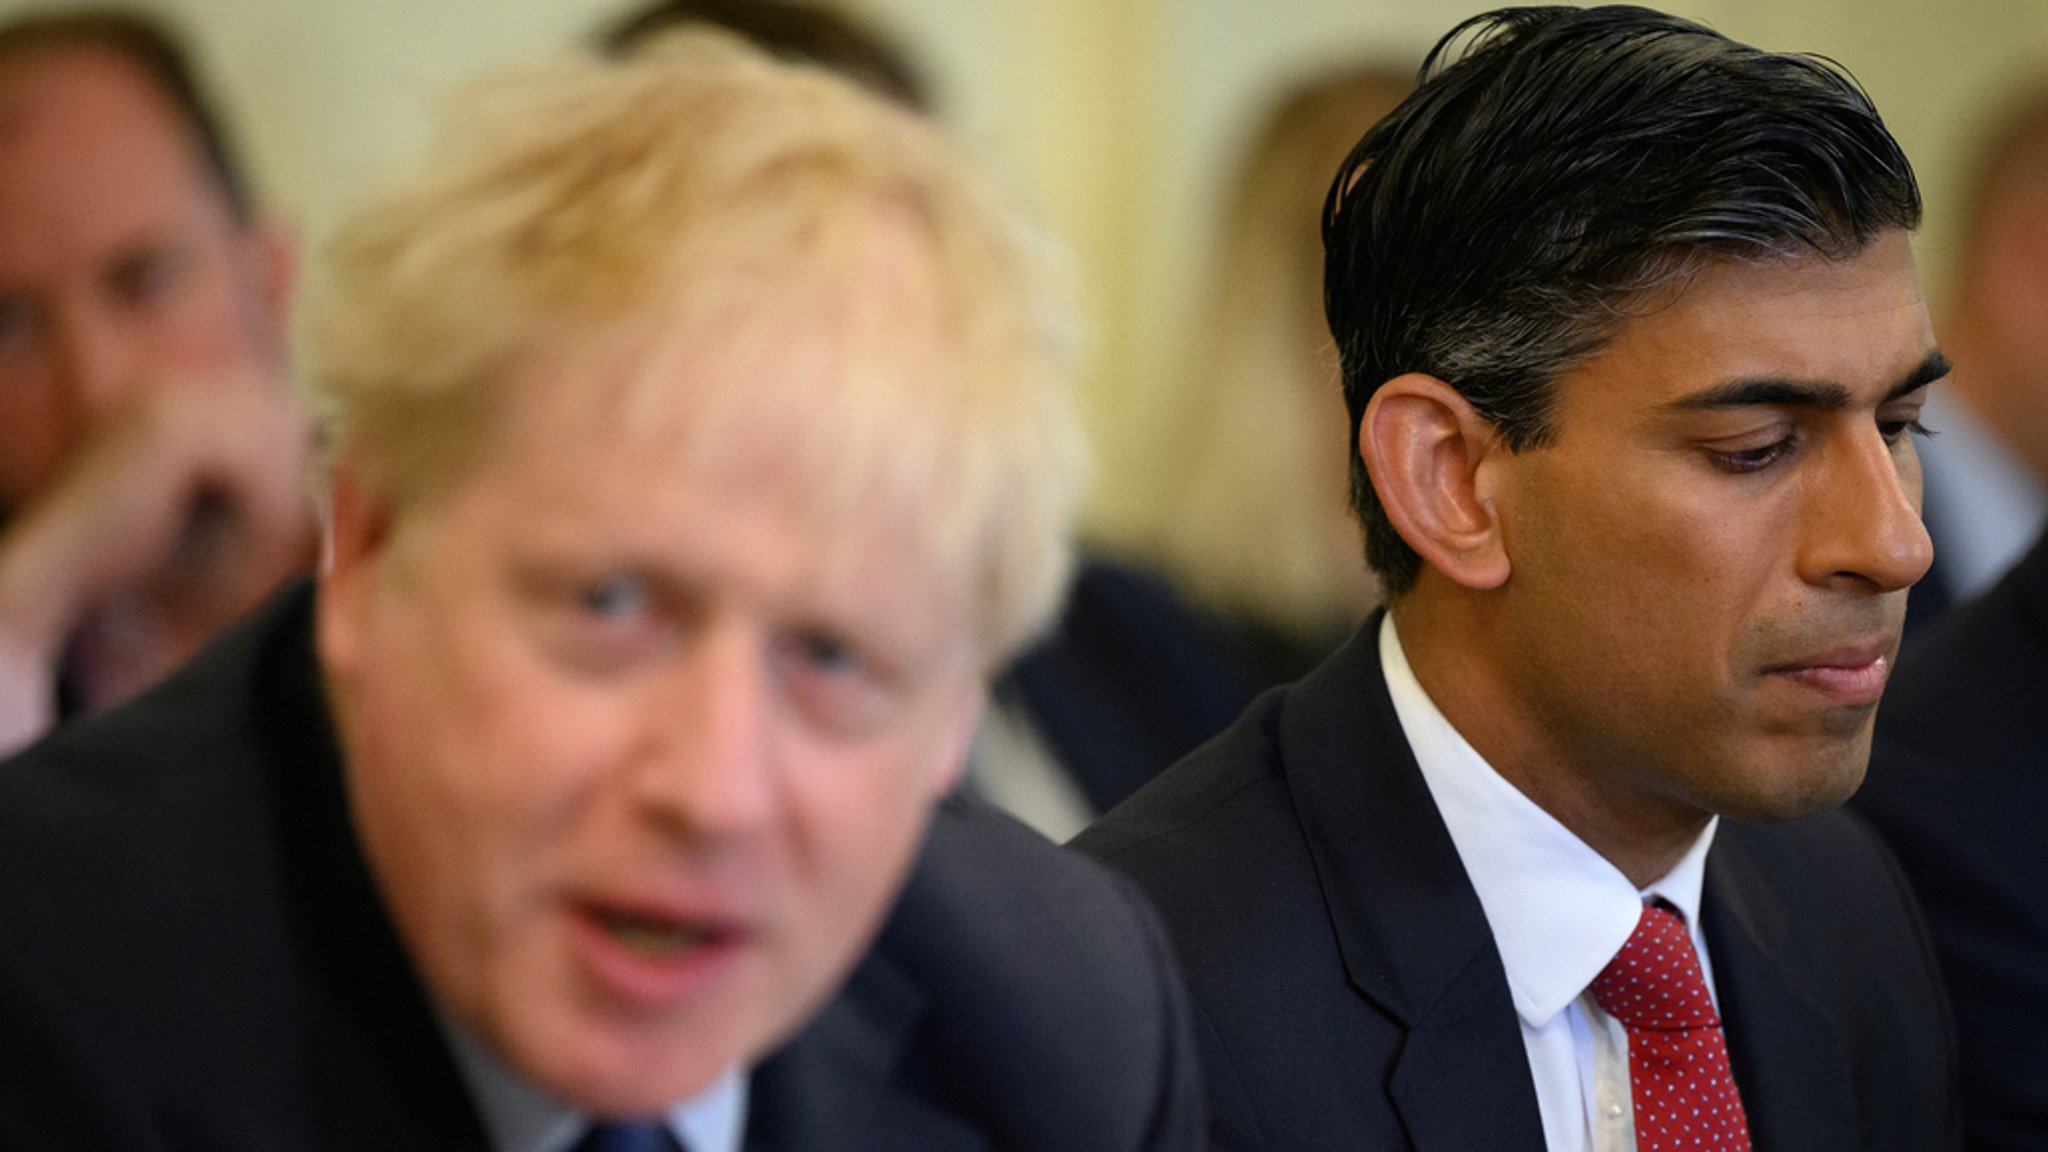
pixel 1815 786
pixel 602 1076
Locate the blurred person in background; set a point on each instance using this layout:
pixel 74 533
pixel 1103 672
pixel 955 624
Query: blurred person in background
pixel 1959 779
pixel 1987 467
pixel 152 458
pixel 1959 787
pixel 1258 529
pixel 792 30
pixel 697 445
pixel 1131 677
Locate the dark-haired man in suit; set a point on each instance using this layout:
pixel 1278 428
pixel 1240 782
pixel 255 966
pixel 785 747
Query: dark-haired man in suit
pixel 696 450
pixel 1633 347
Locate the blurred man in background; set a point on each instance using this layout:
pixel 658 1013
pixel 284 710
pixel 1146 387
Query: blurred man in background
pixel 1259 529
pixel 1987 470
pixel 1959 787
pixel 151 455
pixel 794 30
pixel 699 447
pixel 1959 780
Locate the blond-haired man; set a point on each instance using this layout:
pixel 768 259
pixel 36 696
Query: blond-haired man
pixel 695 450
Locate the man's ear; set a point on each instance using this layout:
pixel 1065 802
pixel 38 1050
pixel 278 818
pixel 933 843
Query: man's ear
pixel 357 539
pixel 1428 450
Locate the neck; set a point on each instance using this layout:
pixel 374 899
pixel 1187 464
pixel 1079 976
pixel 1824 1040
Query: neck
pixel 1642 833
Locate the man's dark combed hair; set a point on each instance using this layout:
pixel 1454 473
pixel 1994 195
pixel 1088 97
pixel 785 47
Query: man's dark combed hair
pixel 791 30
pixel 1556 164
pixel 151 46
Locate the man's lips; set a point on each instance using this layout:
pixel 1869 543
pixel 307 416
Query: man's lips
pixel 652 954
pixel 654 935
pixel 1851 674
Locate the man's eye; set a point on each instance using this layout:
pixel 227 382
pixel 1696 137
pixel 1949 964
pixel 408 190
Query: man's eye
pixel 145 277
pixel 837 686
pixel 827 652
pixel 1894 431
pixel 603 626
pixel 1754 459
pixel 615 598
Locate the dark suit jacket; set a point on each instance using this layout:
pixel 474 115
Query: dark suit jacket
pixel 192 956
pixel 1350 995
pixel 1959 785
pixel 1132 678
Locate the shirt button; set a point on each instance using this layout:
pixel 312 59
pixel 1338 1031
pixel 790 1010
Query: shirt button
pixel 1614 1110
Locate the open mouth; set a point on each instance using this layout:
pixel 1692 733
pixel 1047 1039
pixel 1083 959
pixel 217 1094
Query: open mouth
pixel 653 957
pixel 656 937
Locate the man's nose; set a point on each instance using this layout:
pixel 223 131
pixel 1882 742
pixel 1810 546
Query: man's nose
pixel 708 766
pixel 1863 516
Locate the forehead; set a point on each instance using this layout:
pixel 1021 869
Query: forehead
pixel 86 135
pixel 838 378
pixel 814 399
pixel 1859 323
pixel 732 512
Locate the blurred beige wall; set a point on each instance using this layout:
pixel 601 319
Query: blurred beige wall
pixel 1110 120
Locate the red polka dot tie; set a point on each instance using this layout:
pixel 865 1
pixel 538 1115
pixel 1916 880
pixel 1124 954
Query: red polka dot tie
pixel 1685 1098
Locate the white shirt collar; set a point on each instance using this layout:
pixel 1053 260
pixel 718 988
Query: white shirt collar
pixel 520 1118
pixel 1559 910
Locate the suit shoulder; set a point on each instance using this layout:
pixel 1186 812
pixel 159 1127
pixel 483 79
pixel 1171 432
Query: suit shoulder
pixel 1053 1016
pixel 1218 783
pixel 132 802
pixel 992 897
pixel 136 799
pixel 1217 842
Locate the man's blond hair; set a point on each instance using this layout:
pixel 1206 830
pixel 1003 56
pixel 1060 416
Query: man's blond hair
pixel 689 193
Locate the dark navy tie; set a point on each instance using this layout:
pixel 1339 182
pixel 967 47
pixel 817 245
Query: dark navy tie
pixel 646 1137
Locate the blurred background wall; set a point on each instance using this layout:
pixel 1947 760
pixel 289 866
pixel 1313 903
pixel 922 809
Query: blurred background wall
pixel 1112 121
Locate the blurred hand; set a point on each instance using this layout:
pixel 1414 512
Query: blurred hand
pixel 182 512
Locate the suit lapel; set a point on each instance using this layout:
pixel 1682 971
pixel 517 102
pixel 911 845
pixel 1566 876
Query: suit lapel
pixel 1790 1064
pixel 849 1081
pixel 1463 1079
pixel 1414 938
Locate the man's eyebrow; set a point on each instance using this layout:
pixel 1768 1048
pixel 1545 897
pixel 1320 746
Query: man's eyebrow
pixel 1781 392
pixel 1929 370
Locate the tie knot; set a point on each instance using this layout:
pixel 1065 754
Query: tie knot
pixel 1655 981
pixel 643 1137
